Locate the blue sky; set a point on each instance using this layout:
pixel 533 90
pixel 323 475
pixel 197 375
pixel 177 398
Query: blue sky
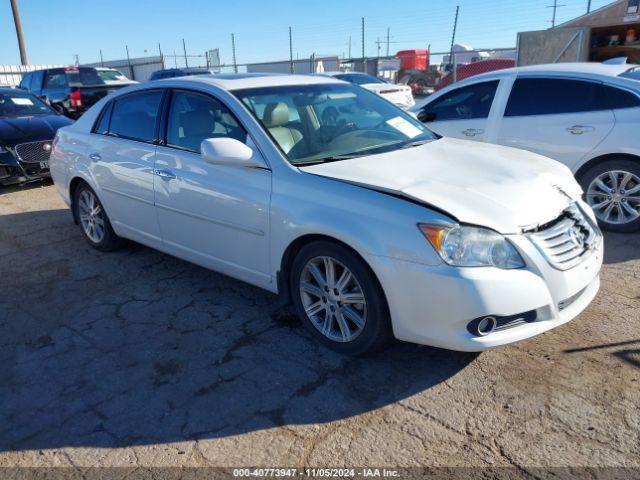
pixel 55 30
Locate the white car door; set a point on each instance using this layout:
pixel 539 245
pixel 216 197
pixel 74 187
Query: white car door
pixel 560 118
pixel 213 215
pixel 463 112
pixel 122 156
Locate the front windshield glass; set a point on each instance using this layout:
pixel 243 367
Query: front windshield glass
pixel 358 78
pixel 318 123
pixel 111 75
pixel 22 104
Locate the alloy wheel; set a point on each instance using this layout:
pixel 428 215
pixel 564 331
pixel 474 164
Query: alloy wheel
pixel 91 216
pixel 333 299
pixel 615 197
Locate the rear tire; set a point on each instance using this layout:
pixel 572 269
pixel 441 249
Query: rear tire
pixel 612 190
pixel 344 309
pixel 93 220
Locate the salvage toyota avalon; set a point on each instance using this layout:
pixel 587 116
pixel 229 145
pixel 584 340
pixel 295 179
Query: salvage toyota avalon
pixel 322 192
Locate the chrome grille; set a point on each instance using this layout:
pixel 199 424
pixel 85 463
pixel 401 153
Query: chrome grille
pixel 566 241
pixel 34 152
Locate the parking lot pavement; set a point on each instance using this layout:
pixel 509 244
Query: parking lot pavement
pixel 137 358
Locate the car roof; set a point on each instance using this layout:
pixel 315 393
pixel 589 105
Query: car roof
pixel 237 81
pixel 582 69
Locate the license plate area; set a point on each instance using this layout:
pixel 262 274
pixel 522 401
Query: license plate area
pixel 44 165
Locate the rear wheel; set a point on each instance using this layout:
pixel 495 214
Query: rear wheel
pixel 92 218
pixel 339 299
pixel 612 190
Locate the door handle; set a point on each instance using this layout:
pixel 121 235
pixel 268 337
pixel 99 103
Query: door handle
pixel 580 129
pixel 472 132
pixel 95 157
pixel 164 173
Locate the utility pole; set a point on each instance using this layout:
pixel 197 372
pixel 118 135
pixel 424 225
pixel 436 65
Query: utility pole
pixel 160 52
pixel 290 50
pixel 233 50
pixel 388 31
pixel 184 49
pixel 175 59
pixel 129 63
pixel 588 6
pixel 364 66
pixel 349 48
pixel 378 44
pixel 555 7
pixel 453 40
pixel 16 21
pixel 101 59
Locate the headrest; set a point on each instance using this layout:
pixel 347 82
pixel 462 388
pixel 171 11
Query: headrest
pixel 276 115
pixel 197 122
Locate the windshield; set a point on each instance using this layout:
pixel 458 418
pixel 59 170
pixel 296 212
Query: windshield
pixel 22 104
pixel 358 78
pixel 318 123
pixel 111 75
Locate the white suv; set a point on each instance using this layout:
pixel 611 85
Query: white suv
pixel 585 115
pixel 366 220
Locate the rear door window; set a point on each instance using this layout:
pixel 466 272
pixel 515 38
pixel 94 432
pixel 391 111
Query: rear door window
pixel 55 79
pixel 83 76
pixel 465 103
pixel 550 96
pixel 134 116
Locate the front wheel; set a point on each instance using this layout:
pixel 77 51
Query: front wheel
pixel 612 190
pixel 339 299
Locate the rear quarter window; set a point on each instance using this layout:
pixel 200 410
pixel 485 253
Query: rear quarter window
pixel 619 98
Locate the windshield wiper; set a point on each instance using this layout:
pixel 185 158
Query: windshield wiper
pixel 333 158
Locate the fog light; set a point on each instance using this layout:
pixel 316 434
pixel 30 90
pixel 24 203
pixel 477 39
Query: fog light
pixel 486 326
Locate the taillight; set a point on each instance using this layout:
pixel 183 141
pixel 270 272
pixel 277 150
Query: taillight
pixel 76 99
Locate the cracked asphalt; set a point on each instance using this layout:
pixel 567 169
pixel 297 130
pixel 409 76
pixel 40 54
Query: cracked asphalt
pixel 135 358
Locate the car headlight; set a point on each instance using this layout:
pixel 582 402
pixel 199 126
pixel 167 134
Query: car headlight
pixel 464 246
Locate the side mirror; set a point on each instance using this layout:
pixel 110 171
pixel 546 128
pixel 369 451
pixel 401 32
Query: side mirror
pixel 426 117
pixel 228 151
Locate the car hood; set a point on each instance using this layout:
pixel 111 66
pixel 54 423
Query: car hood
pixel 502 188
pixel 14 130
pixel 382 88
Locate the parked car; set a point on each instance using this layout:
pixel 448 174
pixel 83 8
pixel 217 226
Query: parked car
pixel 585 115
pixel 372 225
pixel 27 128
pixel 111 76
pixel 70 90
pixel 179 72
pixel 399 95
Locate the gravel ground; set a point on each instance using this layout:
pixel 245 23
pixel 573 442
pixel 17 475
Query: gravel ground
pixel 135 358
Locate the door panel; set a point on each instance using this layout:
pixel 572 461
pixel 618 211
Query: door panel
pixel 214 215
pixel 122 156
pixel 560 118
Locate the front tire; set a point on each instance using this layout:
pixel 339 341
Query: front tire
pixel 93 220
pixel 339 299
pixel 612 190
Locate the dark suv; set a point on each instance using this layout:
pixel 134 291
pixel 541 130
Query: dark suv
pixel 70 90
pixel 179 72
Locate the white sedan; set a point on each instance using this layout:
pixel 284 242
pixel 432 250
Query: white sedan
pixel 399 95
pixel 369 223
pixel 585 115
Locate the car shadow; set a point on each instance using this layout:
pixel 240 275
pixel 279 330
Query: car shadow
pixel 6 189
pixel 136 347
pixel 627 355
